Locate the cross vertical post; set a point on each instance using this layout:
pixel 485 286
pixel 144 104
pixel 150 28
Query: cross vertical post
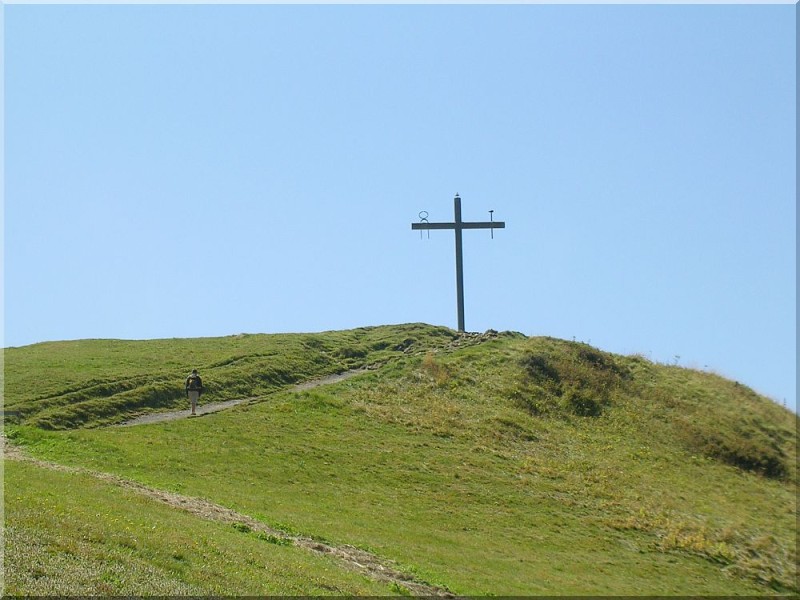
pixel 459 263
pixel 458 225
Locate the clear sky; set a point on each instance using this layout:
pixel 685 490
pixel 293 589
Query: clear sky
pixel 200 170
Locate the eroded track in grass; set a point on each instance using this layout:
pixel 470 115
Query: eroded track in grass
pixel 361 561
pixel 212 407
pixel 358 560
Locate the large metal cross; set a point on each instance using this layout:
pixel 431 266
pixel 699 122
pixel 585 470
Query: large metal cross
pixel 458 225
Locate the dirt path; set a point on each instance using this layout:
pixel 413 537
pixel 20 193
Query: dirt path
pixel 213 407
pixel 366 563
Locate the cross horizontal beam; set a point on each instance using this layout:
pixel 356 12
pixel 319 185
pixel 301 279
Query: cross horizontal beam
pixel 462 225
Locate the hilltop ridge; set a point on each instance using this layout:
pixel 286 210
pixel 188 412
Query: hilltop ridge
pixel 480 462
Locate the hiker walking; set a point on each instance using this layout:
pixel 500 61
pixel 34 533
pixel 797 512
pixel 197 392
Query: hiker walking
pixel 194 387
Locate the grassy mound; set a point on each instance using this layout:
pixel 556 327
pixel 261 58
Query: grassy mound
pixel 495 464
pixel 63 385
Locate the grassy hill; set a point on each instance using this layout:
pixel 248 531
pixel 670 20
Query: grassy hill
pixel 494 464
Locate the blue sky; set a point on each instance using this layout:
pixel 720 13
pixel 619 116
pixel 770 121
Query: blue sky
pixel 201 170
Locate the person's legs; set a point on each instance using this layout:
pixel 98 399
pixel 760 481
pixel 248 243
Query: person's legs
pixel 193 395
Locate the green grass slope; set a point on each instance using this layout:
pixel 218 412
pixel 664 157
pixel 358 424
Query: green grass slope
pixel 69 534
pixel 496 464
pixel 61 385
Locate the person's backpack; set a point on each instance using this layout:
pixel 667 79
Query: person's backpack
pixel 194 383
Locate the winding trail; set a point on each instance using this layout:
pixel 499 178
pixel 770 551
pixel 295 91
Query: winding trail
pixel 213 407
pixel 361 561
